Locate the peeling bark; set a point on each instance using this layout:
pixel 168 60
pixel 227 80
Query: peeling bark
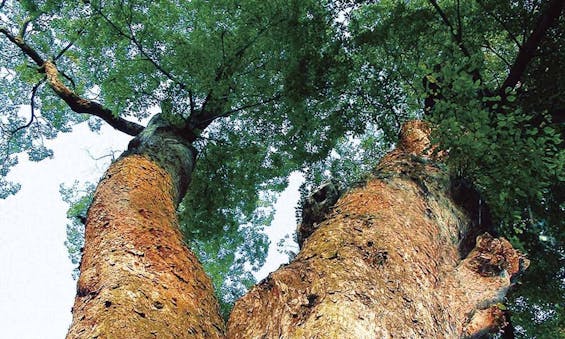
pixel 138 279
pixel 385 263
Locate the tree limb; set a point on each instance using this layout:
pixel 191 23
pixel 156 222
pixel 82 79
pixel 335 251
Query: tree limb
pixel 81 105
pixel 18 41
pixel 75 102
pixel 528 49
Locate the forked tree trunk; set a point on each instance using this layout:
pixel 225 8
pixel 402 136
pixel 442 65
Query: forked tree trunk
pixel 385 263
pixel 138 279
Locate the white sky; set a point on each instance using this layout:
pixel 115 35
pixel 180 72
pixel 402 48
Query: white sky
pixel 36 286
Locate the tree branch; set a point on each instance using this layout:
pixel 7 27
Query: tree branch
pixel 488 46
pixel 528 49
pixel 32 104
pixel 455 34
pixel 500 22
pixel 66 48
pixel 19 41
pixel 75 102
pixel 80 105
pixel 131 37
pixel 235 110
pixel 225 71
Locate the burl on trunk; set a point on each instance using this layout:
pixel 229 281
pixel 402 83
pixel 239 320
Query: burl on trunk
pixel 386 263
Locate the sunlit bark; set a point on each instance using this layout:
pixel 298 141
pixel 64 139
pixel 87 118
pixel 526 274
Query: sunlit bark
pixel 386 264
pixel 138 279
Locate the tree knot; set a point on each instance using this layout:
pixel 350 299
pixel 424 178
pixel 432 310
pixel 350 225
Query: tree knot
pixel 491 256
pixel 315 207
pixel 415 137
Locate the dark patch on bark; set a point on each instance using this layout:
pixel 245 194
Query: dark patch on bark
pixel 312 300
pixel 467 197
pixel 315 208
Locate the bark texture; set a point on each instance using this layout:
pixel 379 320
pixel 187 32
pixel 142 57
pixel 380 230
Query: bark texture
pixel 386 263
pixel 138 279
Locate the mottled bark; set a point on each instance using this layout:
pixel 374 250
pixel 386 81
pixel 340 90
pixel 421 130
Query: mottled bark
pixel 138 279
pixel 385 263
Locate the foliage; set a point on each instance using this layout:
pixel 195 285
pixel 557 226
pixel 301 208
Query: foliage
pixel 79 197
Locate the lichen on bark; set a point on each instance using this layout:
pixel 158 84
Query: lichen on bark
pixel 170 149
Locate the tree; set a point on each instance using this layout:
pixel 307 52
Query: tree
pixel 226 74
pixel 461 58
pixel 367 271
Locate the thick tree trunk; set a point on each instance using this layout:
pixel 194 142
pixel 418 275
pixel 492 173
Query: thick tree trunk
pixel 138 279
pixel 385 263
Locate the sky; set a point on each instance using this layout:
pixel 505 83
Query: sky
pixel 36 285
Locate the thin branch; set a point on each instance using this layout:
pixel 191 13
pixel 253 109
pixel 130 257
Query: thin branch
pixel 500 22
pixel 528 49
pixel 32 118
pixel 457 35
pixel 459 23
pixel 241 108
pixel 191 100
pixel 495 52
pixel 66 48
pixel 32 104
pixel 24 26
pixel 454 33
pixel 225 71
pixel 69 78
pixel 139 46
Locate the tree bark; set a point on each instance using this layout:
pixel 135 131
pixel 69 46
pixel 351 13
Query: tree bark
pixel 385 263
pixel 138 279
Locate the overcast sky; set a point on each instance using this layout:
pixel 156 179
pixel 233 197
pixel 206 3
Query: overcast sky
pixel 36 286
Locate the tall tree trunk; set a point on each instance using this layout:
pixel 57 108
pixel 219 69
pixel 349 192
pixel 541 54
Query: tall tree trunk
pixel 386 263
pixel 138 279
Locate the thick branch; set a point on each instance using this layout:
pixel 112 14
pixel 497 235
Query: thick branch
pixel 81 105
pixel 528 49
pixel 75 102
pixel 19 41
